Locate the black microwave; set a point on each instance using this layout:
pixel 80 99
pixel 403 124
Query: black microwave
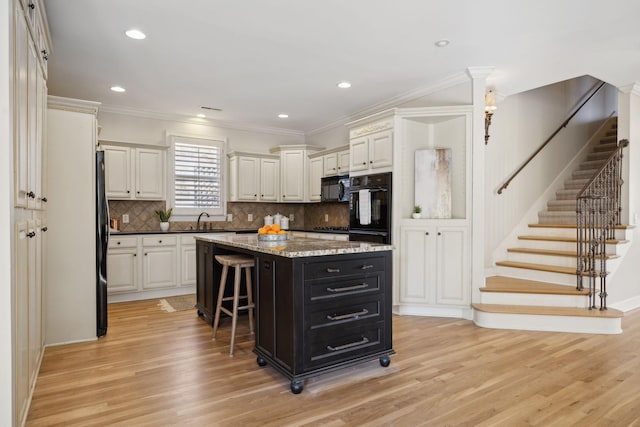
pixel 335 189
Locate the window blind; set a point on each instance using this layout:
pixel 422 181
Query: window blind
pixel 198 176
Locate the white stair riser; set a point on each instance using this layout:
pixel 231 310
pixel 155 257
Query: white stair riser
pixel 563 246
pixel 547 300
pixel 528 322
pixel 540 276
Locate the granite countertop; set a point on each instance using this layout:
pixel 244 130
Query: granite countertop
pixel 216 230
pixel 294 247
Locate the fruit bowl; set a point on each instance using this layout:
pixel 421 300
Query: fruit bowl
pixel 272 237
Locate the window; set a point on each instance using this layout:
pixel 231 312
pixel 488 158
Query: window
pixel 197 177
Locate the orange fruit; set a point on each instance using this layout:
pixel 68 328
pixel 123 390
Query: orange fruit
pixel 261 230
pixel 282 232
pixel 275 227
pixel 271 232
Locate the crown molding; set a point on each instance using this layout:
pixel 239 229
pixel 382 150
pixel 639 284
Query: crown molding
pixel 391 103
pixel 128 111
pixel 479 72
pixel 633 88
pixel 72 104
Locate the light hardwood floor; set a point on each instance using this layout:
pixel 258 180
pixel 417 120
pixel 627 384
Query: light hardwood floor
pixel 158 368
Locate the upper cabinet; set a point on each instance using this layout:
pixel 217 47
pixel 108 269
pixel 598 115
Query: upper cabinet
pixel 371 148
pixel 254 177
pixel 294 173
pixel 29 106
pixel 134 173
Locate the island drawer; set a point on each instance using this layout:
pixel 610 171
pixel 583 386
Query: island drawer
pixel 357 310
pixel 338 267
pixel 317 291
pixel 341 343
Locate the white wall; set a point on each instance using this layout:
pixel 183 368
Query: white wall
pixel 144 130
pixel 520 125
pixel 6 225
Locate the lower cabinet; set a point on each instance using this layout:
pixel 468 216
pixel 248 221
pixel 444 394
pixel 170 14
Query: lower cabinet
pixel 150 265
pixel 434 268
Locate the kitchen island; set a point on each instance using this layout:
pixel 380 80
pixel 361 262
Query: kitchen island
pixel 320 304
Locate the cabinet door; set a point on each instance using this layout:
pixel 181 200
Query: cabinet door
pixel 248 178
pixel 359 153
pixel 149 174
pixel 35 160
pixel 122 270
pixel 233 179
pixel 315 177
pixel 159 267
pixel 417 275
pixel 330 164
pixel 343 162
pixel 35 299
pixel 292 173
pixel 452 266
pixel 42 140
pixel 21 81
pixel 381 149
pixel 188 264
pixel 269 179
pixel 21 349
pixel 117 163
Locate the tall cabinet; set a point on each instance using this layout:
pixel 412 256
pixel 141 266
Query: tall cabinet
pixel 434 274
pixel 28 53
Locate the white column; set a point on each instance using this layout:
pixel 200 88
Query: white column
pixel 478 87
pixel 629 128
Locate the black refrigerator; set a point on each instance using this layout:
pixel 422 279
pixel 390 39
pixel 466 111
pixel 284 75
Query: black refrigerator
pixel 102 243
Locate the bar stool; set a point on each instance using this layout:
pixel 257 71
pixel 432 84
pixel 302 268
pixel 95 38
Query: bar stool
pixel 238 262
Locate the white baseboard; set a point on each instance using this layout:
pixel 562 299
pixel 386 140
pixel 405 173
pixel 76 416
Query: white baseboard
pixel 433 311
pixel 627 305
pixel 529 322
pixel 152 294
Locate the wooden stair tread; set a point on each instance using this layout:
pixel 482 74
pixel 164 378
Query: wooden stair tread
pixel 569 254
pixel 524 286
pixel 547 311
pixel 540 267
pixel 565 239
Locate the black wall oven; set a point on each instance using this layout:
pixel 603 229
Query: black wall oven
pixel 370 208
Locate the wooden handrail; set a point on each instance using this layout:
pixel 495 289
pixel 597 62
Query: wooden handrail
pixel 544 144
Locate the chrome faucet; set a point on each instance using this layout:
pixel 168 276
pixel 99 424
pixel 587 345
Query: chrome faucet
pixel 200 216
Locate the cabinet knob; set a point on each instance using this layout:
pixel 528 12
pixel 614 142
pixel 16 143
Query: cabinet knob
pixel 128 191
pixel 32 6
pixel 45 55
pixel 364 163
pixel 44 229
pixel 119 242
pixel 31 234
pixel 31 195
pixel 44 199
pixel 138 192
pixel 135 254
pixel 145 254
pixel 159 241
pixel 371 161
pixel 427 233
pixel 439 233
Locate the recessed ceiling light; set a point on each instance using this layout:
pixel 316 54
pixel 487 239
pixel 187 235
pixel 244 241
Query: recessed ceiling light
pixel 283 116
pixel 442 43
pixel 136 34
pixel 344 85
pixel 202 116
pixel 118 89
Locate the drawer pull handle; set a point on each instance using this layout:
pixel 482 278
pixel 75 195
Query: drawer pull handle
pixel 366 266
pixel 348 288
pixel 364 340
pixel 348 316
pixel 333 270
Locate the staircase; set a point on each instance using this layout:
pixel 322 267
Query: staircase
pixel 535 287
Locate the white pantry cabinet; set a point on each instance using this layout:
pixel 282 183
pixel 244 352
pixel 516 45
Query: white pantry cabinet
pixel 434 267
pixel 134 173
pixel 254 177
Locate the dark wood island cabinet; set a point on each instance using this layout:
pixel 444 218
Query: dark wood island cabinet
pixel 321 305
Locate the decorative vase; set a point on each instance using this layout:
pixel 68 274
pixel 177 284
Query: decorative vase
pixel 415 215
pixel 164 226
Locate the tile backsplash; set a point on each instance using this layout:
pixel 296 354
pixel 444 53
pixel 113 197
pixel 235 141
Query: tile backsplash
pixel 142 215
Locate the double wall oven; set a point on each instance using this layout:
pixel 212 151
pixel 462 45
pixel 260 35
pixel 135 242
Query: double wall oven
pixel 370 208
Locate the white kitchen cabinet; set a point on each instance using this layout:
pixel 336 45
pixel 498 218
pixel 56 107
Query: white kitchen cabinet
pixel 434 267
pixel 294 171
pixel 330 164
pixel 254 177
pixel 315 178
pixel 187 261
pixel 134 173
pixel 159 262
pixel 21 349
pixel 371 153
pixel 122 264
pixel 343 162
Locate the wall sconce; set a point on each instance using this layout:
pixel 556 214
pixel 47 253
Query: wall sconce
pixel 489 108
